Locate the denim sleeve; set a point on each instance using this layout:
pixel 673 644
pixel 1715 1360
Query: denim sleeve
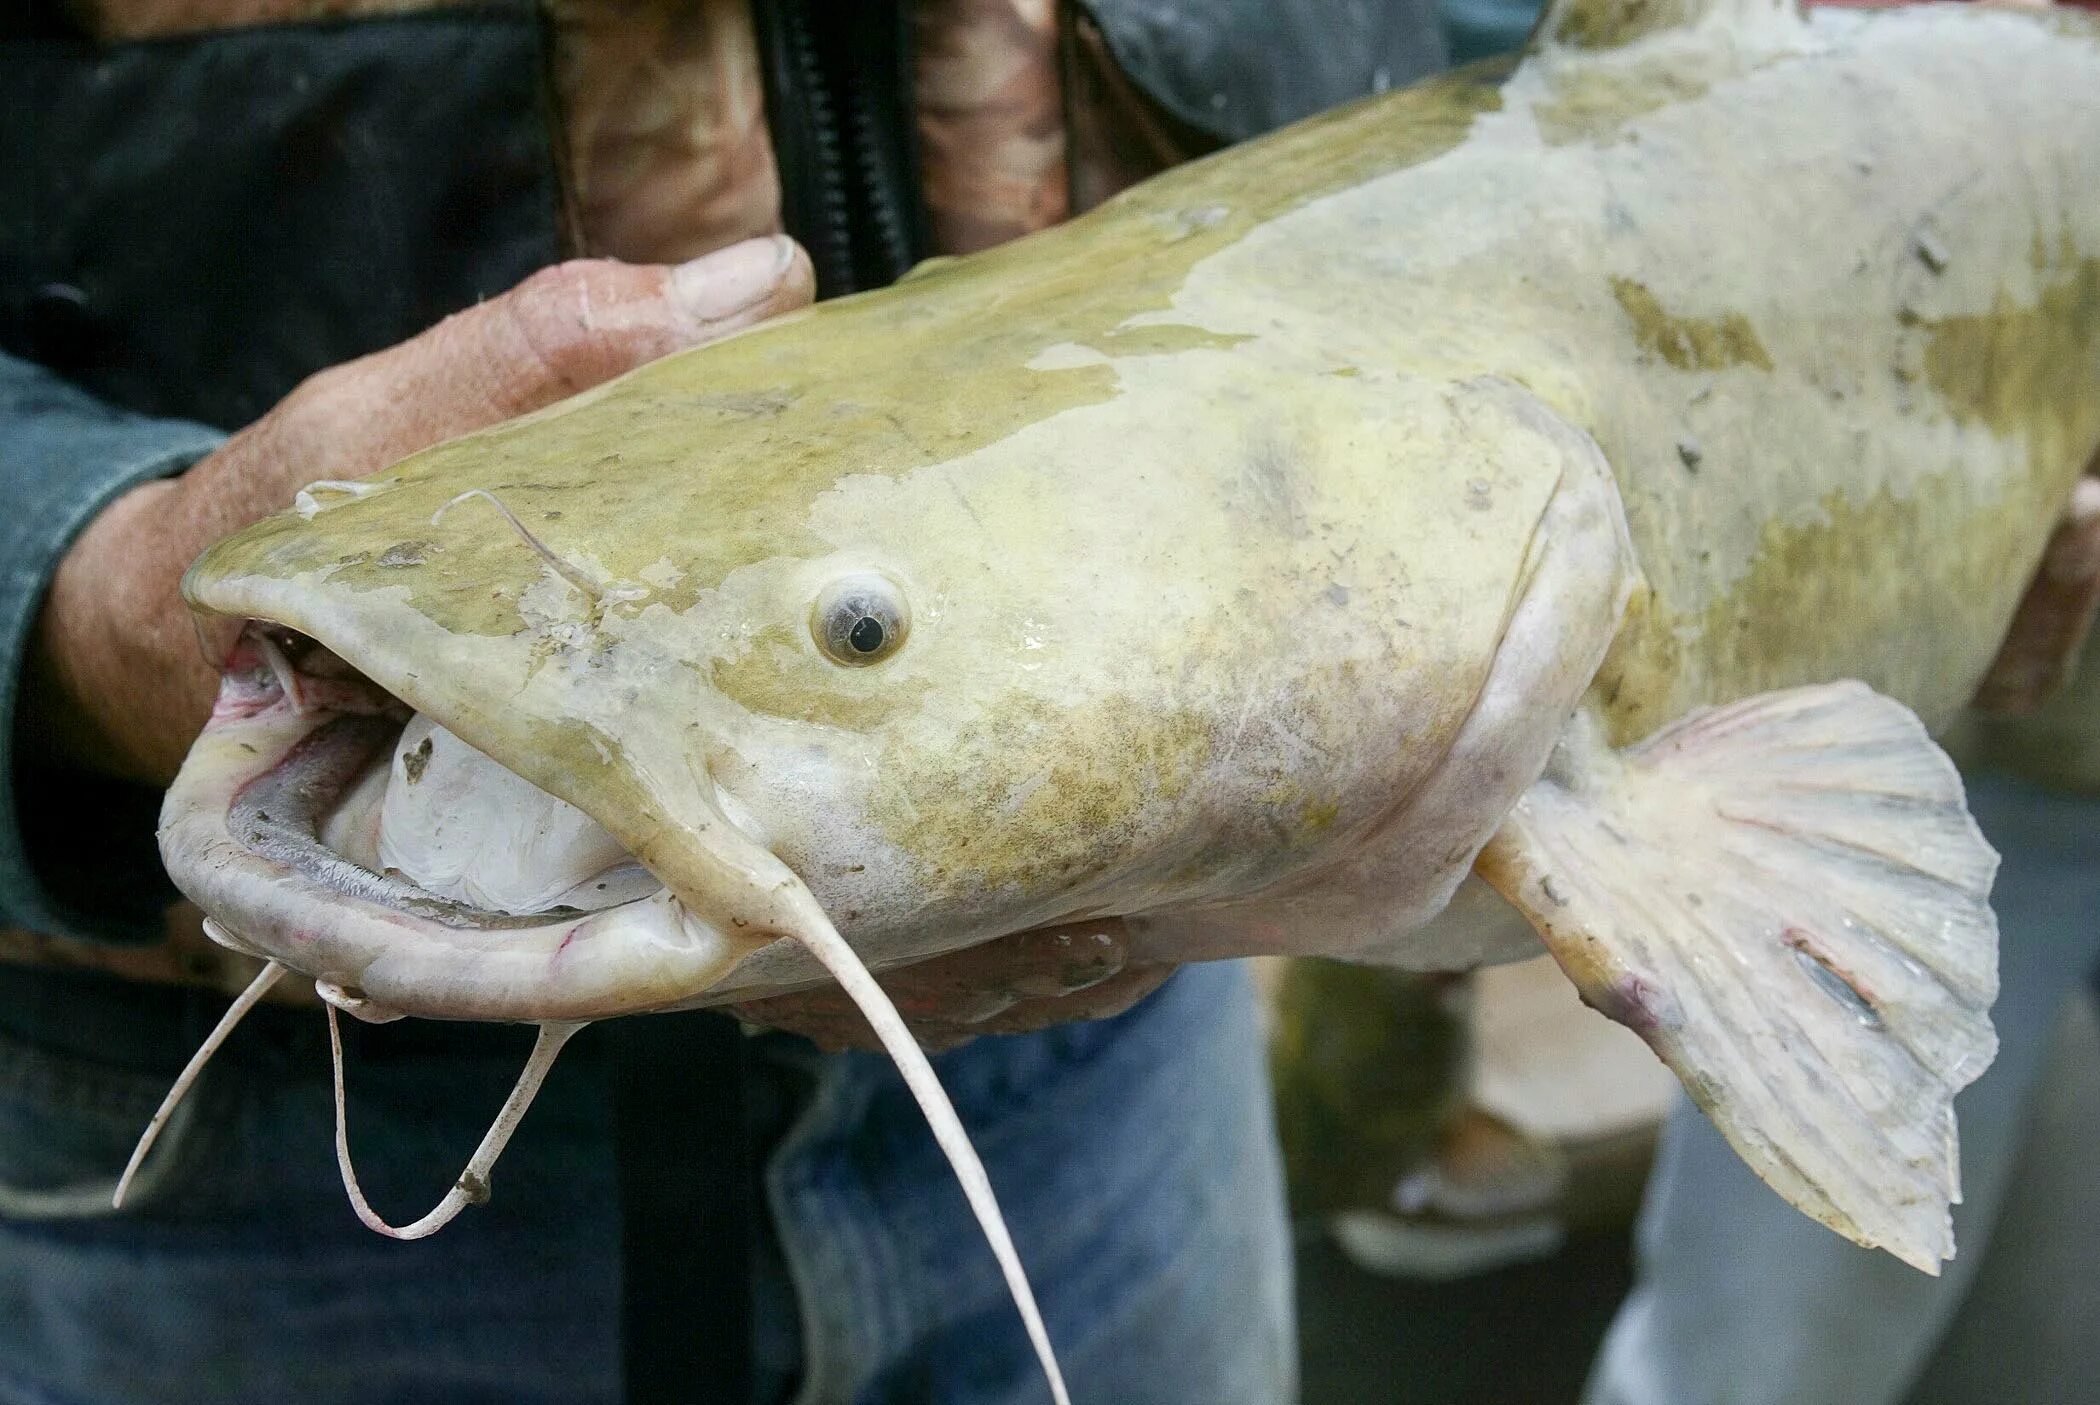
pixel 1478 29
pixel 76 851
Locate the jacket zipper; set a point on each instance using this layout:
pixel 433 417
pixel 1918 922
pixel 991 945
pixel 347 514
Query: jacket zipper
pixel 838 103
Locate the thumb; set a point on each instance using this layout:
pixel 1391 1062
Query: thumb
pixel 564 329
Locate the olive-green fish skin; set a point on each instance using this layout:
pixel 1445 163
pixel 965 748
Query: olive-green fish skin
pixel 1196 583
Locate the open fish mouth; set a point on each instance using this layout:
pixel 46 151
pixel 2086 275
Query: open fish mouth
pixel 326 825
pixel 309 778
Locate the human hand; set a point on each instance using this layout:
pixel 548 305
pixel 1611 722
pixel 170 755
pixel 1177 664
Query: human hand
pixel 2055 616
pixel 1010 985
pixel 116 676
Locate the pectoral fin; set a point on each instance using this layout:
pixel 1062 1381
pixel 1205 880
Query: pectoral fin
pixel 1786 897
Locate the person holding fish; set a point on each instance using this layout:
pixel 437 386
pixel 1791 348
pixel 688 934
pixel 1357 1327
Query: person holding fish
pixel 252 245
pixel 1477 485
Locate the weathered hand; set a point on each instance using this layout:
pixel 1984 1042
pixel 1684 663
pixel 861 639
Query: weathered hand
pixel 2055 616
pixel 117 678
pixel 1012 985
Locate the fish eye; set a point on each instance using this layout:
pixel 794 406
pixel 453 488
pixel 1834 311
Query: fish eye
pixel 860 620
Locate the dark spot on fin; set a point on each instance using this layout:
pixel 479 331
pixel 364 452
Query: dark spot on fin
pixel 1831 983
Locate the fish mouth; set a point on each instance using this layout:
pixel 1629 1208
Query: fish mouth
pixel 273 827
pixel 266 829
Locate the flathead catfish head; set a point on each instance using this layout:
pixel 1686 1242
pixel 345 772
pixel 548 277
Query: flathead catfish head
pixel 1018 593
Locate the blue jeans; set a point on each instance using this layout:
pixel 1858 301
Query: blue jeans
pixel 1134 1157
pixel 1744 1301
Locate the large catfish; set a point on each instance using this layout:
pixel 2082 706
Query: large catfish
pixel 1597 474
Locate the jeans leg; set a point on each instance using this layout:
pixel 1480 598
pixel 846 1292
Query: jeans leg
pixel 1135 1159
pixel 238 1276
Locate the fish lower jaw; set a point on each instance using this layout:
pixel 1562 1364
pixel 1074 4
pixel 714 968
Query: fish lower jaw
pixel 257 831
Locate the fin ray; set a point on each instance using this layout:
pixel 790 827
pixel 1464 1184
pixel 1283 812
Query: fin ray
pixel 1787 898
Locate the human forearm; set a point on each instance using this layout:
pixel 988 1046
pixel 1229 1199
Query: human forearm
pixel 116 677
